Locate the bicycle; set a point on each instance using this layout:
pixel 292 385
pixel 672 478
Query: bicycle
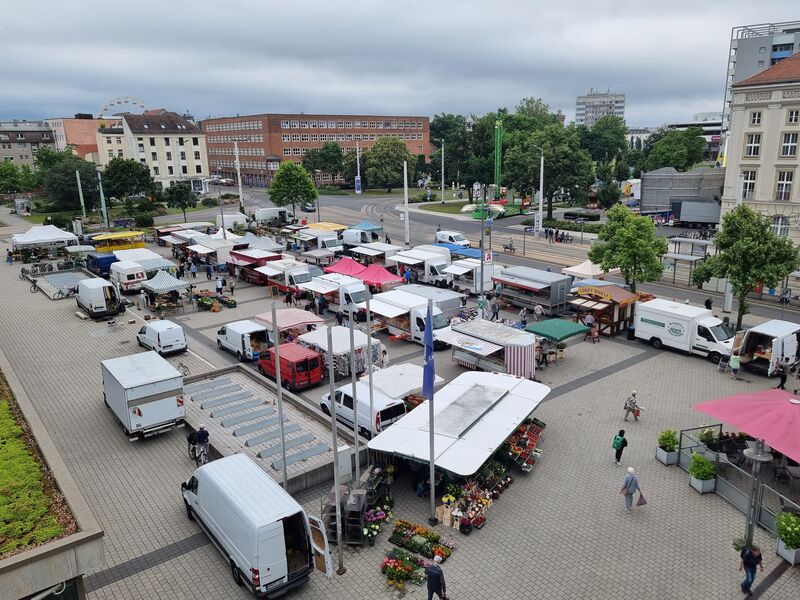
pixel 62 293
pixel 34 286
pixel 24 272
pixel 183 369
pixel 198 453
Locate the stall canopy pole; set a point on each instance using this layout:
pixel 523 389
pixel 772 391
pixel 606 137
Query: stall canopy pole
pixel 279 385
pixel 369 369
pixel 428 379
pixel 354 381
pixel 337 495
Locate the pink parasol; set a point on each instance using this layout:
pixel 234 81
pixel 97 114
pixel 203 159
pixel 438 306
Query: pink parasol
pixel 377 275
pixel 346 266
pixel 771 415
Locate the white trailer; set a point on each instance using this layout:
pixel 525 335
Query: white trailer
pixel 323 239
pixel 429 266
pixel 692 329
pixel 764 347
pixel 466 274
pixel 405 315
pixel 272 215
pixel 377 251
pixel 340 291
pixel 144 392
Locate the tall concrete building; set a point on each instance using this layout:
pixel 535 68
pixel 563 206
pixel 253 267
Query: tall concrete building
pixel 267 139
pixel 20 140
pixel 755 48
pixel 596 104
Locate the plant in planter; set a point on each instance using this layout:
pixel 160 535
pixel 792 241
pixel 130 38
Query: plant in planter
pixel 787 526
pixel 702 474
pixel 667 451
pixel 708 438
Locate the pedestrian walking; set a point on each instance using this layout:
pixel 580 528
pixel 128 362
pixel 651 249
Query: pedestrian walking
pixel 734 363
pixel 209 272
pixel 231 285
pixel 143 299
pixel 632 407
pixel 523 317
pixel 9 257
pixel 407 275
pixel 181 270
pixel 387 239
pixel 619 445
pixel 538 312
pixel 630 485
pixel 339 318
pixel 751 559
pixel 435 577
pixel 193 270
pixel 555 235
pixel 219 286
pixel 708 303
pixel 782 372
pixel 495 310
pixel 544 349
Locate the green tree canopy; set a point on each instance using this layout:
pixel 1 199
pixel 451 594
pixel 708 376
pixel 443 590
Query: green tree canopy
pixel 629 243
pixel 350 168
pixel 125 177
pixel 180 196
pixel 291 185
pixel 453 130
pixel 385 164
pixel 27 178
pixel 60 184
pixel 749 254
pixel 9 177
pixel 609 194
pixel 605 139
pixel 678 149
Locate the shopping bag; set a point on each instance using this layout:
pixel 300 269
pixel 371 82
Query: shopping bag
pixel 641 501
pixel 637 412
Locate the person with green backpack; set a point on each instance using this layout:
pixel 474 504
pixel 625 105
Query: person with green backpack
pixel 619 444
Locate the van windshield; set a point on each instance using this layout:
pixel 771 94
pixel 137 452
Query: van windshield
pixel 722 332
pixel 457 237
pixel 302 277
pixel 439 322
pixel 358 297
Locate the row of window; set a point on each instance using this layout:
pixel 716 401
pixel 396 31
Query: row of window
pixel 21 157
pixel 792 117
pixel 271 165
pixel 229 139
pixel 235 126
pixel 242 151
pixel 19 146
pixel 784 179
pixel 154 155
pixel 345 137
pixel 788 145
pixel 198 169
pixel 21 136
pixel 351 124
pixel 167 142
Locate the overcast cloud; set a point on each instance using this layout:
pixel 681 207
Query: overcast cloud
pixel 362 56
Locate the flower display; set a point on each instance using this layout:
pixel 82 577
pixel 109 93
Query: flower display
pixel 421 540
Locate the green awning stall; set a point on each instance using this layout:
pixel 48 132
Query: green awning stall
pixel 557 330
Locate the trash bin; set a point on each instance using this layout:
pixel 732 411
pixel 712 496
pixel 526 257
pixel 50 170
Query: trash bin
pixel 631 333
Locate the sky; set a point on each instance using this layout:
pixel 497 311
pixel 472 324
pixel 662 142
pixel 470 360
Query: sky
pixel 369 56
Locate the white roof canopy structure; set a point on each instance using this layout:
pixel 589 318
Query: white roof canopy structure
pixel 588 270
pixel 366 251
pixel 42 235
pixel 457 270
pixel 340 337
pixel 200 249
pixel 474 414
pixel 398 381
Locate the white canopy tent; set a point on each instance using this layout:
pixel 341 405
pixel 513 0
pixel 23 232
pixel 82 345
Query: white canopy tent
pixel 44 235
pixel 163 282
pixel 588 270
pixel 473 415
pixel 398 381
pixel 340 336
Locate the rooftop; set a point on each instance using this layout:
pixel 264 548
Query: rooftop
pixel 785 71
pixel 167 122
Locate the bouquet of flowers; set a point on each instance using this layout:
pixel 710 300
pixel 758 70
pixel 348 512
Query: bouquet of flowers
pixel 371 530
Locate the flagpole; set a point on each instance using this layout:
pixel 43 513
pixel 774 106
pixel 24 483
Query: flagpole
pixel 369 346
pixel 279 390
pixel 428 379
pixel 334 425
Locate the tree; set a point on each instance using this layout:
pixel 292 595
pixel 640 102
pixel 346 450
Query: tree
pixel 27 178
pixel 605 139
pixel 125 177
pixel 621 169
pixel 331 159
pixel 46 159
pixel 61 186
pixel 9 177
pixel 629 243
pixel 609 194
pixel 291 185
pixel 385 164
pixel 673 148
pixel 453 130
pixel 350 168
pixel 749 254
pixel 181 196
pixel 566 164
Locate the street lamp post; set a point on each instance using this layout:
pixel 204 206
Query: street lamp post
pixel 442 170
pixel 238 165
pixel 478 188
pixel 541 186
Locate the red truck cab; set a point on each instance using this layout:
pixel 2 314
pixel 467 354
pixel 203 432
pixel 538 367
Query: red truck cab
pixel 300 366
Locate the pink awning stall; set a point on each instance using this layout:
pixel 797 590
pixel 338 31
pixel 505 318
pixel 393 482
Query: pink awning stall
pixel 772 415
pixel 346 266
pixel 377 275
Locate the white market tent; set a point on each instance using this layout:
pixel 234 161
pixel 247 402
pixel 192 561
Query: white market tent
pixel 135 254
pixel 80 248
pixel 230 236
pixel 44 235
pixel 163 282
pixel 154 264
pixel 588 270
pixel 398 381
pixel 474 414
pixel 254 241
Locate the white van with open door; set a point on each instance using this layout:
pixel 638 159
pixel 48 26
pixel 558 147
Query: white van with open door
pixel 765 346
pixel 268 540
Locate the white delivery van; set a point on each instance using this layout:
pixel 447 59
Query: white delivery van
pixel 127 275
pixel 356 237
pixel 429 266
pixel 764 347
pixel 98 298
pixel 324 239
pixel 452 237
pixel 246 339
pixel 271 544
pixel 144 392
pixel 684 327
pixel 231 220
pixel 386 410
pixel 162 336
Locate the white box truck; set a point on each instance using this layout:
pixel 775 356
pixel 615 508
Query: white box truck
pixel 324 239
pixel 405 314
pixel 340 291
pixel 429 266
pixel 127 275
pixel 466 275
pixel 693 329
pixel 271 544
pixel 356 237
pixel 448 301
pixel 272 215
pixel 765 346
pixel 144 392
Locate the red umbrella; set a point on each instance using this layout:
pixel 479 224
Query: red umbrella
pixel 346 266
pixel 771 415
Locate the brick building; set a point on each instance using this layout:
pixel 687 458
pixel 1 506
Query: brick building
pixel 267 139
pixel 80 132
pixel 20 140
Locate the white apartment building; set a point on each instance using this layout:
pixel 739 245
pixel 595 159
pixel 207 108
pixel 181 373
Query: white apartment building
pixel 596 104
pixel 762 155
pixel 173 148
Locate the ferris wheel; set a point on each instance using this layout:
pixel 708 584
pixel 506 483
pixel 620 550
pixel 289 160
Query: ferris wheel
pixel 120 105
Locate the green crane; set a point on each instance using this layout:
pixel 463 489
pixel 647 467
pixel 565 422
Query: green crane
pixel 498 156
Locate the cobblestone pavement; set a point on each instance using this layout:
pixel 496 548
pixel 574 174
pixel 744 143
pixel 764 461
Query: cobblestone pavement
pixel 558 532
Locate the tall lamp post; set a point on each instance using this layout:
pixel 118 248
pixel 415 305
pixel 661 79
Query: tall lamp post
pixel 442 173
pixel 541 186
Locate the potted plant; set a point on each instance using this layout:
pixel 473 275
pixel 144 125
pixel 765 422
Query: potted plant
pixel 708 438
pixel 371 531
pixel 702 474
pixel 787 526
pixel 667 450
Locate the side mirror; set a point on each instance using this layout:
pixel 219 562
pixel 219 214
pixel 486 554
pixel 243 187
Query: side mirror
pixel 183 486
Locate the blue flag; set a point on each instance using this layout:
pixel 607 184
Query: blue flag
pixel 429 369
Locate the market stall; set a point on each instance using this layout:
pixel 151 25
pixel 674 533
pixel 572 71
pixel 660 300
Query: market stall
pixel 118 240
pixel 41 241
pixel 558 331
pixel 524 286
pixel 456 250
pixel 345 266
pixel 319 256
pixel 292 322
pixel 261 242
pixel 340 337
pixel 243 263
pixel 466 275
pixel 611 307
pixel 164 292
pixel 162 234
pixel 378 278
pixel 404 381
pixel 377 251
pixel 77 254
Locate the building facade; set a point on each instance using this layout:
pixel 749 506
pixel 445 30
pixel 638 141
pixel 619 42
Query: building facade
pixel 711 125
pixel 20 140
pixel 595 104
pixel 266 140
pixel 762 156
pixel 79 132
pixel 172 147
pixel 754 48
